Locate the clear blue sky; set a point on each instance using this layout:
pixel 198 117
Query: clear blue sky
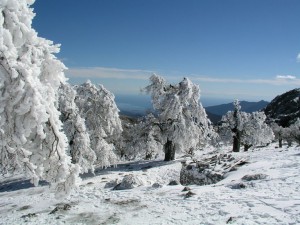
pixel 245 49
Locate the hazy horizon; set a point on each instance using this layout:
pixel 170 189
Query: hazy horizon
pixel 139 104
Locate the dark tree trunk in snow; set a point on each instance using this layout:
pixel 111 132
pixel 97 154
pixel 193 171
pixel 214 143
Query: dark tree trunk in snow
pixel 246 147
pixel 169 148
pixel 280 142
pixel 237 135
pixel 236 141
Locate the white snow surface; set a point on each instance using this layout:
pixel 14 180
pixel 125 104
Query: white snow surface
pixel 273 200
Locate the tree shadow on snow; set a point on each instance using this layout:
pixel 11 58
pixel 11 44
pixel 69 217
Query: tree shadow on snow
pixel 18 184
pixel 141 165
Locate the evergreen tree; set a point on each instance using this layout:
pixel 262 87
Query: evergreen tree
pixel 74 127
pixel 182 120
pixel 295 131
pixel 255 131
pixel 278 132
pixel 233 121
pixel 97 106
pixel 31 138
pixel 244 128
pixel 144 139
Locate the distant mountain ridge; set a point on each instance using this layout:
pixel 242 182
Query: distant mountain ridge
pixel 246 107
pixel 216 112
pixel 285 108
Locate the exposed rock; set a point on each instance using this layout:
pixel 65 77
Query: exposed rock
pixel 285 108
pixel 230 220
pixel 25 207
pixel 237 186
pixel 156 185
pixel 173 182
pixel 111 183
pixel 258 176
pixel 29 215
pixel 129 181
pixel 61 207
pixel 189 194
pixel 126 202
pixel 209 170
pixel 200 177
pixel 186 189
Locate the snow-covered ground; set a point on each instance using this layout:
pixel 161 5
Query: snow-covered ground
pixel 273 199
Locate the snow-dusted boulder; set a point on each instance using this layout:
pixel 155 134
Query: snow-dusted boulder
pixel 156 185
pixel 251 177
pixel 194 173
pixel 210 170
pixel 129 181
pixel 173 183
pixel 237 186
pixel 112 183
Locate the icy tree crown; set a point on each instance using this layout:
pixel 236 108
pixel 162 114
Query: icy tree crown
pixel 30 75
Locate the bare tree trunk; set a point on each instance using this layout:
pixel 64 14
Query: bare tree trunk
pixel 169 148
pixel 280 142
pixel 289 141
pixel 237 135
pixel 246 147
pixel 236 141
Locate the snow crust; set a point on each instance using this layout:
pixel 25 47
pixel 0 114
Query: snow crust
pixel 270 198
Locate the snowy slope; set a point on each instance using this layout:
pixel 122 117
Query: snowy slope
pixel 273 199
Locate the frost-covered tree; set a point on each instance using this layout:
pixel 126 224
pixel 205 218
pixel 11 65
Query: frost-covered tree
pixel 181 118
pixel 295 131
pixel 292 133
pixel 74 127
pixel 287 135
pixel 97 106
pixel 144 139
pixel 31 139
pixel 232 121
pixel 255 131
pixel 278 132
pixel 248 129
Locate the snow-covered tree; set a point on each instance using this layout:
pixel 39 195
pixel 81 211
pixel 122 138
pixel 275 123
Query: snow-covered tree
pixel 292 133
pixel 244 128
pixel 74 127
pixel 232 121
pixel 278 132
pixel 181 118
pixel 289 134
pixel 31 140
pixel 295 131
pixel 255 131
pixel 97 106
pixel 143 139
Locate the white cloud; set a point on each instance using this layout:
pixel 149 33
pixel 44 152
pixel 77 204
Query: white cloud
pixel 279 80
pixel 286 77
pixel 113 73
pixel 298 58
pixel 136 74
